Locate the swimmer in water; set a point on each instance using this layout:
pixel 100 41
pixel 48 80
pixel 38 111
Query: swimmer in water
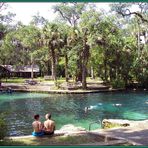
pixel 86 109
pixel 117 104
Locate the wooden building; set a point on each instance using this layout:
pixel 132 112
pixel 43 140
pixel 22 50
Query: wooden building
pixel 20 71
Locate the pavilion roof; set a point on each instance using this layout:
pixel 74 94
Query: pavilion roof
pixel 27 68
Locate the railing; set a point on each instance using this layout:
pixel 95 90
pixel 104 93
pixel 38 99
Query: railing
pixel 98 121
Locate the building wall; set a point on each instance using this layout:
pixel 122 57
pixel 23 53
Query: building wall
pixel 24 74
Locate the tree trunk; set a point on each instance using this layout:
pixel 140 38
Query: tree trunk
pixel 66 67
pixel 53 65
pixel 48 68
pixel 85 56
pixel 110 74
pixel 32 74
pixel 84 84
pixel 105 70
pixel 117 64
pixel 79 70
pixel 92 72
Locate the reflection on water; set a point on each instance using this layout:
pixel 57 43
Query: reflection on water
pixel 70 109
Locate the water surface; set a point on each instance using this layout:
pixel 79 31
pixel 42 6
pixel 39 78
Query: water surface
pixel 69 109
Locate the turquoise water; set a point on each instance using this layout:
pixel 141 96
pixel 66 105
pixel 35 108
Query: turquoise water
pixel 69 109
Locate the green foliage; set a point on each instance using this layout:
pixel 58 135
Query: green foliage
pixel 22 41
pixel 60 70
pixel 3 128
pixel 70 12
pixel 113 50
pixel 38 20
pixel 118 83
pixel 140 69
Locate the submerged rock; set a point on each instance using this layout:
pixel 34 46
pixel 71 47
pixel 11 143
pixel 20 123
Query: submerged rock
pixel 110 123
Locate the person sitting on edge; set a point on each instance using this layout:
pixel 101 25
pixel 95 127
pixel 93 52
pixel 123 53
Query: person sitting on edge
pixel 37 126
pixel 49 125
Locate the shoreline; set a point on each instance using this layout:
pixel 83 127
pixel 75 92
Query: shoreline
pixel 48 88
pixel 39 88
pixel 67 91
pixel 129 133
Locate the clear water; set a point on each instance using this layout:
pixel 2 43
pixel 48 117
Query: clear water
pixel 69 109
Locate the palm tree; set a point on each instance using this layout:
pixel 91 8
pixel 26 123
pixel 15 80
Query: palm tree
pixel 52 39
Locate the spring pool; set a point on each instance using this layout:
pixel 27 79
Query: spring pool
pixel 19 108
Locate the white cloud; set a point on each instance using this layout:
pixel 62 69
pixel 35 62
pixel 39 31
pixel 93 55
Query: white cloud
pixel 25 11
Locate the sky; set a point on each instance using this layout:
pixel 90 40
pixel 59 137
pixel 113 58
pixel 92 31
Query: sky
pixel 25 11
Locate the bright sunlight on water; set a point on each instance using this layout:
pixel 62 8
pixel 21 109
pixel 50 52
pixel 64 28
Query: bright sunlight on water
pixel 19 108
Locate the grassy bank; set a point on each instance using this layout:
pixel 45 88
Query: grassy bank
pixel 41 79
pixel 22 80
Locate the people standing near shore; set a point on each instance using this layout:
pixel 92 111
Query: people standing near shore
pixel 49 125
pixel 37 126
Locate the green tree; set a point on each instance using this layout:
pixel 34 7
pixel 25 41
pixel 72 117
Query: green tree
pixel 71 13
pixel 65 33
pixel 38 20
pixel 52 39
pixel 22 41
pixel 125 9
pixel 87 24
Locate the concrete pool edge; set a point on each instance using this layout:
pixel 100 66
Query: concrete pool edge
pixel 40 88
pixel 106 140
pixel 135 134
pixel 66 91
pixel 75 92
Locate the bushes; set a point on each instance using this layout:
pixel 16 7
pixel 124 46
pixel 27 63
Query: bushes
pixel 3 128
pixel 118 83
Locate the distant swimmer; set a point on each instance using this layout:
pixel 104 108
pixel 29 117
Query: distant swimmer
pixel 86 109
pixel 91 107
pixel 117 104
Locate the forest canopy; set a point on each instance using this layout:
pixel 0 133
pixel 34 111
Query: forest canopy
pixel 83 41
